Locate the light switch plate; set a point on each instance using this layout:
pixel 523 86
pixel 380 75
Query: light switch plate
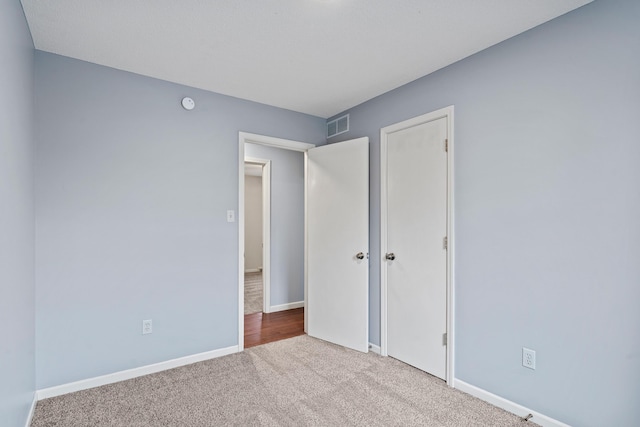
pixel 147 326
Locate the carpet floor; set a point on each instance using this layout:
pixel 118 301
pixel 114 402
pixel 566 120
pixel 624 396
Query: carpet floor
pixel 301 381
pixel 252 293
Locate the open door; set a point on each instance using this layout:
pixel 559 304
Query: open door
pixel 338 243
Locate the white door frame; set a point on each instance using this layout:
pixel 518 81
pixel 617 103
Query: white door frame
pixel 447 113
pixel 244 137
pixel 266 230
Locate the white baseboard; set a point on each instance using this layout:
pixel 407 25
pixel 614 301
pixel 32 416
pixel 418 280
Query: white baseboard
pixel 283 307
pixel 374 348
pixel 32 410
pixel 132 373
pixel 508 405
pixel 253 270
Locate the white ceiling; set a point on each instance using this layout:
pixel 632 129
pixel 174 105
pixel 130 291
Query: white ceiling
pixel 314 56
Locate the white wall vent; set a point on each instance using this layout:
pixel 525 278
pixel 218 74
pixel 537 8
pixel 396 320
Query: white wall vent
pixel 338 126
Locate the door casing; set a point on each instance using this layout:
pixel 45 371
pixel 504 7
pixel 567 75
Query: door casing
pixel 447 113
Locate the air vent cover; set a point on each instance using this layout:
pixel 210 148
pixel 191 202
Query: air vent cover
pixel 338 126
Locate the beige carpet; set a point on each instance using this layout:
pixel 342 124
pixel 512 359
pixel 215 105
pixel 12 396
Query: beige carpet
pixel 296 382
pixel 252 293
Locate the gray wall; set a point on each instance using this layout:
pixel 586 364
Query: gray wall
pixel 287 221
pixel 17 330
pixel 252 222
pixel 131 199
pixel 547 182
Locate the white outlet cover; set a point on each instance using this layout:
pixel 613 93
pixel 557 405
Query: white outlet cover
pixel 528 358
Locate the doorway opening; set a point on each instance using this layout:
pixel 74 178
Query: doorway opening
pixel 262 322
pixel 257 235
pixel 276 320
pixel 326 273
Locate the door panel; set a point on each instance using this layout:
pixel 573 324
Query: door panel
pixel 337 230
pixel 416 226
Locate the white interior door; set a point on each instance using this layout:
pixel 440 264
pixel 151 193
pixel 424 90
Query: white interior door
pixel 338 243
pixel 416 228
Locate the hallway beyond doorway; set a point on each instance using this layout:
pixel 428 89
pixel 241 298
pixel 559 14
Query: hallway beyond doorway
pixel 253 290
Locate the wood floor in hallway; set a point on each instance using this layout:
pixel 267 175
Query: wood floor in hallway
pixel 262 328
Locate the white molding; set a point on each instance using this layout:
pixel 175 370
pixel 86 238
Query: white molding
pixel 374 348
pixel 451 243
pixel 287 144
pixel 383 243
pixel 32 410
pixel 266 235
pixel 132 373
pixel 288 306
pixel 508 405
pixel 446 112
pixel 275 142
pixel 306 241
pixel 252 270
pixel 241 142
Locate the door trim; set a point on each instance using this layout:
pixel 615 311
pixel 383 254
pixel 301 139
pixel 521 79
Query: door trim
pixel 244 137
pixel 447 113
pixel 266 230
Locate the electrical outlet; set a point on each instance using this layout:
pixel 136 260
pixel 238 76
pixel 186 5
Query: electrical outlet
pixel 147 327
pixel 528 358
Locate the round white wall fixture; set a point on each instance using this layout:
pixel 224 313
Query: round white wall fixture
pixel 188 103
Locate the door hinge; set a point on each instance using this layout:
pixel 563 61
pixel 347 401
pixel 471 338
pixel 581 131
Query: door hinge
pixel 446 145
pixel 444 339
pixel 445 243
